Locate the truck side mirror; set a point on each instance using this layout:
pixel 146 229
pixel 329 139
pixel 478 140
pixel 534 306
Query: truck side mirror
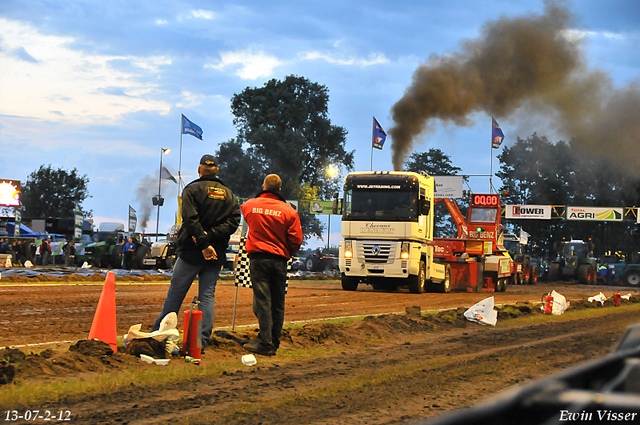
pixel 335 208
pixel 425 207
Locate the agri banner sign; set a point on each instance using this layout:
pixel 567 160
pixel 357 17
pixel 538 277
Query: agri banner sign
pixel 540 212
pixel 448 186
pixel 595 213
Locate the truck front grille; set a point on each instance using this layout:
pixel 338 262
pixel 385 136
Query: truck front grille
pixel 377 253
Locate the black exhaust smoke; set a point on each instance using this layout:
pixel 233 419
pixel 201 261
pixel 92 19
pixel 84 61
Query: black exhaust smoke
pixel 529 65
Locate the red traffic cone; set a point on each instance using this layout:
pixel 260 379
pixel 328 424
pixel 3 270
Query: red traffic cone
pixel 103 327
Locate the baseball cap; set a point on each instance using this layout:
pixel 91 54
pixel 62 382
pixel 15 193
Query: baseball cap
pixel 208 160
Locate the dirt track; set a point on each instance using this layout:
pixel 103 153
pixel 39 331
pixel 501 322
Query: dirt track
pixel 386 370
pixel 35 314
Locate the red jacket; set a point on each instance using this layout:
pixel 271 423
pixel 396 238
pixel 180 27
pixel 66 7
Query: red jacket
pixel 274 226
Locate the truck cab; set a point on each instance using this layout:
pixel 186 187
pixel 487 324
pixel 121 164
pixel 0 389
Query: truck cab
pixel 387 224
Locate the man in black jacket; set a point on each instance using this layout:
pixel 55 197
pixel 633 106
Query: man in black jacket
pixel 210 215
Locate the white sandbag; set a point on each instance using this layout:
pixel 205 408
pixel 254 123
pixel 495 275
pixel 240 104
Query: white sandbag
pixel 560 303
pixel 28 264
pixel 483 313
pixel 167 330
pixel 85 265
pixel 626 297
pixel 601 298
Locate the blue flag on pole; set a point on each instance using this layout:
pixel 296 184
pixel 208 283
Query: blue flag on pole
pixel 379 136
pixel 190 128
pixel 496 134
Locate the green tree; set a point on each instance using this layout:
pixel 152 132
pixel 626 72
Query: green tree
pixel 50 192
pixel 284 128
pixel 436 163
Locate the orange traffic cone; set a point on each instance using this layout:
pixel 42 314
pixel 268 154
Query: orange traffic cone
pixel 104 321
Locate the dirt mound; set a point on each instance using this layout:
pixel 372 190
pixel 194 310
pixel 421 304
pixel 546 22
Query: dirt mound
pixel 98 357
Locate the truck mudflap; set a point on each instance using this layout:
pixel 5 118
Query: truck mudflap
pixel 437 272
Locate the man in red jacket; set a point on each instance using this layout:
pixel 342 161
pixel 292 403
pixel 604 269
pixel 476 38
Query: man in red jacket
pixel 274 236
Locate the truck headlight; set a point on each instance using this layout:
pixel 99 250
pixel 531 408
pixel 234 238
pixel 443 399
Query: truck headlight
pixel 348 252
pixel 404 250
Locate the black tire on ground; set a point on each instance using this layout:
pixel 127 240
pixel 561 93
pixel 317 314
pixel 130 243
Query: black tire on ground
pixel 554 272
pixel 526 271
pixel 349 283
pixel 312 264
pixel 533 276
pixel 116 257
pixel 417 283
pixel 585 274
pixel 140 254
pixel 631 277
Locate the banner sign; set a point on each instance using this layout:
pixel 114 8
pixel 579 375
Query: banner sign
pixel 595 213
pixel 447 186
pixel 133 220
pixel 541 212
pixel 17 222
pixel 79 220
pixel 321 207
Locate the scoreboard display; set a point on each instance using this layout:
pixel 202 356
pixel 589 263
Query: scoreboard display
pixel 492 200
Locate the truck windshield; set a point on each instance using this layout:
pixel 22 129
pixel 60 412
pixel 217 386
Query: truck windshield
pixel 572 249
pixel 483 215
pixel 512 247
pixel 381 205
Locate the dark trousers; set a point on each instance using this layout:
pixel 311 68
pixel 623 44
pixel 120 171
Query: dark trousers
pixel 268 280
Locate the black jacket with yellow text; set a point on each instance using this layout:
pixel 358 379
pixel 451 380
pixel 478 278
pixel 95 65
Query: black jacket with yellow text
pixel 211 214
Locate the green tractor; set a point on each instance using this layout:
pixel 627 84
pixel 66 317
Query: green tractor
pixel 106 251
pixel 574 261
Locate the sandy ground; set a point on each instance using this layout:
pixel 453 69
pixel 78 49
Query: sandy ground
pixel 386 369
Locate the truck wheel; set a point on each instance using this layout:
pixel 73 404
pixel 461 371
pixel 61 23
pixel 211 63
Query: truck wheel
pixel 533 276
pixel 140 254
pixel 312 264
pixel 416 283
pixel 502 285
pixel 349 283
pixel 585 274
pixel 554 272
pixel 445 285
pixel 631 277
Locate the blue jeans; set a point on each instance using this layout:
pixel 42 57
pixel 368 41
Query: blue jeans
pixel 183 276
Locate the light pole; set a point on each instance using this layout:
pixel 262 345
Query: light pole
pixel 159 200
pixel 332 171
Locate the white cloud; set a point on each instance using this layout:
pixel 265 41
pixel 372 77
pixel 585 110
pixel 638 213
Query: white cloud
pixel 374 59
pixel 66 85
pixel 204 14
pixel 190 100
pixel 248 65
pixel 575 34
pixel 161 21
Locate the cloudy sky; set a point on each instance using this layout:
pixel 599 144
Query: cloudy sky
pixel 101 85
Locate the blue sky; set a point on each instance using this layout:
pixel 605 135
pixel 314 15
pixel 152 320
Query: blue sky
pixel 100 86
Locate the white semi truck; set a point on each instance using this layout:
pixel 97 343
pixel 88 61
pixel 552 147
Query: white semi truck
pixel 387 227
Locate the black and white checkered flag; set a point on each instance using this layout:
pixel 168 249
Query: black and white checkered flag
pixel 241 270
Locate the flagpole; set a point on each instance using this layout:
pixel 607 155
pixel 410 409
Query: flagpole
pixel 180 163
pixel 491 156
pixel 372 136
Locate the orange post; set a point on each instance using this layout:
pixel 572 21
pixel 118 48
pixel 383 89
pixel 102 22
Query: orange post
pixel 103 327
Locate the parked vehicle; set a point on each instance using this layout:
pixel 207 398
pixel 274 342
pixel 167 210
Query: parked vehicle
pixel 574 261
